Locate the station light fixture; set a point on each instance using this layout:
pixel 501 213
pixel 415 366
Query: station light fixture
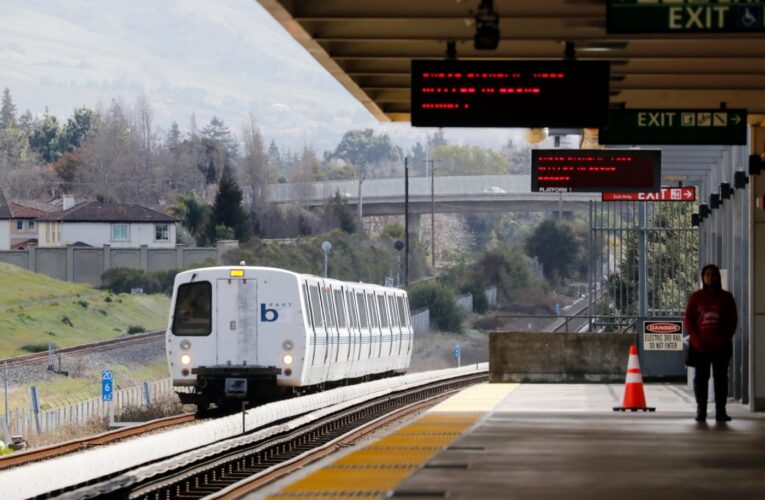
pixel 486 26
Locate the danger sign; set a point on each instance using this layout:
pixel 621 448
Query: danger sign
pixel 662 335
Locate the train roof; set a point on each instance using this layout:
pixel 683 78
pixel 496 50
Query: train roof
pixel 286 271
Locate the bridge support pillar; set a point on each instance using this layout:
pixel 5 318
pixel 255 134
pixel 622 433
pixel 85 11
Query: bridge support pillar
pixel 415 225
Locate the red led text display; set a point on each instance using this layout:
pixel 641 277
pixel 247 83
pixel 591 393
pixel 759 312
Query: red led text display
pixel 595 171
pixel 509 93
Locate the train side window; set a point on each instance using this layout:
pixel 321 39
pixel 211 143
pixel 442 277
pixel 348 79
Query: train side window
pixel 392 308
pixel 339 307
pixel 316 306
pixel 363 320
pixel 307 311
pixel 352 319
pixel 328 308
pixel 401 311
pixel 193 309
pixel 373 320
pixel 383 311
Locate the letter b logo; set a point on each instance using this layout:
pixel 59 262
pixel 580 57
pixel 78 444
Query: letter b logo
pixel 268 315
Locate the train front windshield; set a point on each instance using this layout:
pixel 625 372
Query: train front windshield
pixel 193 309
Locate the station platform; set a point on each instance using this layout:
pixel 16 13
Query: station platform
pixel 549 441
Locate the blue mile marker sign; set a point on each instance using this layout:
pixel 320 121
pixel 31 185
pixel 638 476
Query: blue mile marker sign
pixel 457 351
pixel 107 385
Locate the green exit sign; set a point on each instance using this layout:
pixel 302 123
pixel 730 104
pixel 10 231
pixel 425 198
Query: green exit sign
pixel 692 16
pixel 675 127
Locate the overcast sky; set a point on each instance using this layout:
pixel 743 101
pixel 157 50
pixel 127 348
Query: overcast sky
pixel 209 57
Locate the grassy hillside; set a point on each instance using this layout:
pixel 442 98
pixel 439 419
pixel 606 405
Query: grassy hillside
pixel 35 310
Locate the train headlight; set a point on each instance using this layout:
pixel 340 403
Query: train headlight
pixel 185 359
pixel 288 359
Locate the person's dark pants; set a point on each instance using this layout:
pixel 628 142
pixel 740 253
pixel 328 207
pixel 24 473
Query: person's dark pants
pixel 718 362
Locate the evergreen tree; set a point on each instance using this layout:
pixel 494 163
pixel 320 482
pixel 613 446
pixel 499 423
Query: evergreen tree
pixel 227 210
pixel 173 139
pixel 7 111
pixel 43 139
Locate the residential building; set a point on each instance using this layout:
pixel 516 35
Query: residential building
pixel 93 223
pixel 23 227
pixel 5 224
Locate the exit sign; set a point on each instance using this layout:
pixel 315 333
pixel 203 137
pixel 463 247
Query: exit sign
pixel 675 127
pixel 665 194
pixel 697 16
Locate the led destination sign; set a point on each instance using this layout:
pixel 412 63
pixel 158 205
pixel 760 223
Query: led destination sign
pixel 595 170
pixel 509 93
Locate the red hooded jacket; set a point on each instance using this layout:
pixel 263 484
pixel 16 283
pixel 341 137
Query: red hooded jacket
pixel 711 319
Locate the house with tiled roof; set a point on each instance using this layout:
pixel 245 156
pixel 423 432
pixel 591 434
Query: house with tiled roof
pixel 23 227
pixel 93 223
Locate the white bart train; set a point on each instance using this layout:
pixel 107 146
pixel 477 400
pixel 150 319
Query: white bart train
pixel 240 333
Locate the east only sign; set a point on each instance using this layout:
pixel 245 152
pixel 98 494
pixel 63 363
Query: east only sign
pixel 665 194
pixel 699 16
pixel 662 335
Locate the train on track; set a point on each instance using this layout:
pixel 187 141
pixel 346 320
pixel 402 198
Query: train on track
pixel 256 334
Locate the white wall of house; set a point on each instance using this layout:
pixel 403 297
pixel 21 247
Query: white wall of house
pixel 5 235
pixel 100 233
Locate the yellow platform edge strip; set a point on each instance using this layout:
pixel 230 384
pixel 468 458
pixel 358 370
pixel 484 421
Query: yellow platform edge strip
pixel 379 467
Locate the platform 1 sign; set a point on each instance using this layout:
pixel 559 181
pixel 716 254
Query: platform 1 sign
pixel 699 16
pixel 662 335
pixel 679 127
pixel 665 194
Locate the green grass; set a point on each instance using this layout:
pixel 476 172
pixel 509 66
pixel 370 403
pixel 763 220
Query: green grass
pixel 35 310
pixel 61 391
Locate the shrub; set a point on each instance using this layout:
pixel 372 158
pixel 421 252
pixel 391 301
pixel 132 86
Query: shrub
pixel 108 300
pixel 103 312
pixel 135 329
pixel 122 280
pixel 477 289
pixel 65 320
pixel 39 347
pixel 441 302
pixel 83 303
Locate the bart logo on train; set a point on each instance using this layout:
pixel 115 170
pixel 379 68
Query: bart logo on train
pixel 268 315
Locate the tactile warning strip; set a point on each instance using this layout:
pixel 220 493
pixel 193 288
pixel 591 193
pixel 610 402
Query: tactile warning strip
pixel 379 467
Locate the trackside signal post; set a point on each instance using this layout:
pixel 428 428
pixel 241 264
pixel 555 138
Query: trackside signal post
pixel 107 391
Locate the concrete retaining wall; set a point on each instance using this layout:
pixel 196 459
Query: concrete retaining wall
pixel 87 264
pixel 558 357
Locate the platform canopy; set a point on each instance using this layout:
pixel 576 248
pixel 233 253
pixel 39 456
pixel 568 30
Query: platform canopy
pixel 368 45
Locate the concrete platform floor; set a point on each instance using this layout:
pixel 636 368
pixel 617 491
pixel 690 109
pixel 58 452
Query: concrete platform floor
pixel 565 441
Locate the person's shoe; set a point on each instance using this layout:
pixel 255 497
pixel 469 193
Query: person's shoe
pixel 722 417
pixel 701 416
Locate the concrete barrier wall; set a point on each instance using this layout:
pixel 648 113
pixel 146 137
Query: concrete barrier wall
pixel 558 357
pixel 87 264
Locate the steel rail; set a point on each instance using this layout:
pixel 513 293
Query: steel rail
pixel 103 345
pixel 44 453
pixel 252 483
pixel 208 471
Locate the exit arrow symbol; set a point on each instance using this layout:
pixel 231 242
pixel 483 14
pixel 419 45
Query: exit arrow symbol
pixel 735 119
pixel 687 194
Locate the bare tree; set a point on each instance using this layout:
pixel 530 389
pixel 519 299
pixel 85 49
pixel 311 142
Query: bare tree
pixel 255 168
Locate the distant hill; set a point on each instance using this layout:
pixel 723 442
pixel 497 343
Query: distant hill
pixel 36 310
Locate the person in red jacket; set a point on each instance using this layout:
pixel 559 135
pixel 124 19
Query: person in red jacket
pixel 711 320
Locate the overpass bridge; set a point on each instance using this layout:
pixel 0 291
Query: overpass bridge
pixel 450 194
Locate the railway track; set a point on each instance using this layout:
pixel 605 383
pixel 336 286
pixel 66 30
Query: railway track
pixel 104 345
pixel 235 466
pixel 37 454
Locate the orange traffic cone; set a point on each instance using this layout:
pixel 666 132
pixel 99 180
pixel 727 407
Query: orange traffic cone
pixel 634 397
